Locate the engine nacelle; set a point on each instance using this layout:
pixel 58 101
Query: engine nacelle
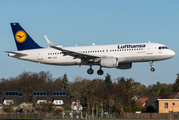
pixel 109 62
pixel 124 66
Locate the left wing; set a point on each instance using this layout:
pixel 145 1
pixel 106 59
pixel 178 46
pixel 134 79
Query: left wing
pixel 75 54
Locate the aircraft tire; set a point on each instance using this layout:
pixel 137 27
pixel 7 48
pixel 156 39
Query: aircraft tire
pixel 100 72
pixel 152 69
pixel 90 71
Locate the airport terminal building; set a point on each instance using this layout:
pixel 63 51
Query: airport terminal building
pixel 16 97
pixel 58 97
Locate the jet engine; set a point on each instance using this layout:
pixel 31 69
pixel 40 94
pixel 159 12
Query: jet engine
pixel 109 62
pixel 124 66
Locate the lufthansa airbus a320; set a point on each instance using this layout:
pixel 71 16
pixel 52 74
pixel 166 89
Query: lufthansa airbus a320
pixel 120 56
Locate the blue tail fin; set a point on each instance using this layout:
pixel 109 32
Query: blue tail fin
pixel 22 39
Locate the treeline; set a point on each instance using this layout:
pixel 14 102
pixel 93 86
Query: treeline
pixel 102 92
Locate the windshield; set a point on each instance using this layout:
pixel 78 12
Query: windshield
pixel 163 47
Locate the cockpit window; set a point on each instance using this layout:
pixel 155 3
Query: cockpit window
pixel 162 47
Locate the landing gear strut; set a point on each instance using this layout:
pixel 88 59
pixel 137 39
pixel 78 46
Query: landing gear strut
pixel 100 72
pixel 151 64
pixel 90 70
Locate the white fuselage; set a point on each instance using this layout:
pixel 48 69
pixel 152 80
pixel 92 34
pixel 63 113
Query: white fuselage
pixel 126 53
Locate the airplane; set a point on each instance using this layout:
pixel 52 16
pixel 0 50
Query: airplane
pixel 120 56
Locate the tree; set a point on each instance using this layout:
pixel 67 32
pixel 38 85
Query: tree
pixel 66 85
pixel 115 108
pixel 162 92
pixel 8 108
pixel 151 108
pixel 108 81
pixel 133 105
pixel 158 83
pixel 47 107
pixel 176 84
pixel 152 93
pixel 128 109
pixel 67 106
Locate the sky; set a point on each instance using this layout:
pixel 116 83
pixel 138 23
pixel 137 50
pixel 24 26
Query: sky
pixel 83 22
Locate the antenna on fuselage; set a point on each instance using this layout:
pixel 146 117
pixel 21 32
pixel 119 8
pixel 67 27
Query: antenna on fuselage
pixel 93 44
pixel 149 41
pixel 76 45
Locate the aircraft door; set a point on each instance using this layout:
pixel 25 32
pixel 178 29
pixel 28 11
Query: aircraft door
pixel 40 55
pixel 149 49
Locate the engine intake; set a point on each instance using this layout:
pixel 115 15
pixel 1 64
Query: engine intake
pixel 109 62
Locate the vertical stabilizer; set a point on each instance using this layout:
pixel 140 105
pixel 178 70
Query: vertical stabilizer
pixel 22 38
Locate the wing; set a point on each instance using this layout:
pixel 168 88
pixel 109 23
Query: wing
pixel 75 54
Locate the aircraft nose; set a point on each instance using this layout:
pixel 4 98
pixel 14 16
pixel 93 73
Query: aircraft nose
pixel 172 53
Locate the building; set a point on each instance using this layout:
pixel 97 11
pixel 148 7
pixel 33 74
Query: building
pixel 151 100
pixel 58 97
pixel 76 106
pixel 142 102
pixel 15 97
pixel 174 95
pixel 167 105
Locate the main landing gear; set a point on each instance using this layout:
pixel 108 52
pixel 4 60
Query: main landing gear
pixel 91 71
pixel 151 64
pixel 100 72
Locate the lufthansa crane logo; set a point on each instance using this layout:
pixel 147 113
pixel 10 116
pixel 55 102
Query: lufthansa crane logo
pixel 20 36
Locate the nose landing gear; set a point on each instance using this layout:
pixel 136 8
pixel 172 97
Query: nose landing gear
pixel 151 64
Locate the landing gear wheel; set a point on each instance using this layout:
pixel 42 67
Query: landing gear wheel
pixel 100 72
pixel 151 65
pixel 90 71
pixel 152 69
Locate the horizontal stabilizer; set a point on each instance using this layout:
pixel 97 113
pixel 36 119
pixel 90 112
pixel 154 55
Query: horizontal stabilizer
pixel 16 53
